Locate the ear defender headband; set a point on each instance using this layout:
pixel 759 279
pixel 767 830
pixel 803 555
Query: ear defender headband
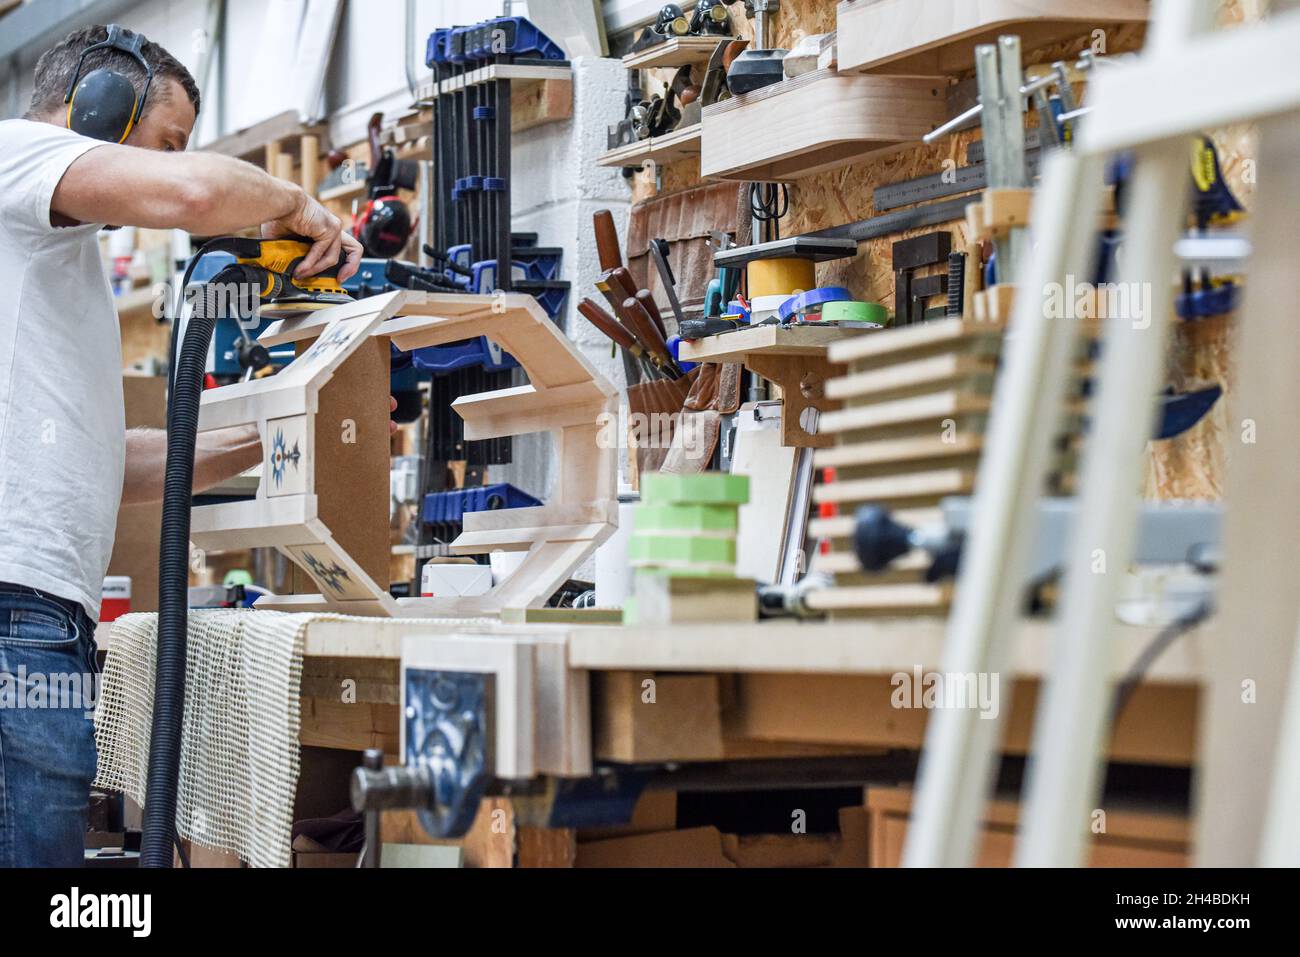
pixel 104 106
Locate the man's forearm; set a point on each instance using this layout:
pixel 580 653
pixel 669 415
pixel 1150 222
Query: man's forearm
pixel 219 455
pixel 203 193
pixel 234 194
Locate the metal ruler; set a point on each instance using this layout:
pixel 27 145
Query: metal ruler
pixel 924 189
pixel 929 215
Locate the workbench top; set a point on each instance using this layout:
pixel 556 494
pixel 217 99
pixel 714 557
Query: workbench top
pixel 771 689
pixel 879 646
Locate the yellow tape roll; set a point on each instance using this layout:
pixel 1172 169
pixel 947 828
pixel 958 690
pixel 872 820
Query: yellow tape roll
pixel 780 277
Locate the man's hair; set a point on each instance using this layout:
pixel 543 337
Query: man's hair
pixel 55 68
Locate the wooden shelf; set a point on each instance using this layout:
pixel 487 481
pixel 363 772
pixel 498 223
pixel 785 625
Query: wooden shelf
pixel 520 75
pixel 769 340
pixel 251 143
pixel 538 94
pixel 679 144
pixel 929 37
pixel 816 122
pixel 677 51
pixel 343 191
pixel 793 358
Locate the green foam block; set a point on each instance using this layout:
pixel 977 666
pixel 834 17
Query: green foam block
pixel 648 549
pixel 713 573
pixel 685 518
pixel 707 488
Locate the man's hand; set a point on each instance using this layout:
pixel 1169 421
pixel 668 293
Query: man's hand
pixel 313 221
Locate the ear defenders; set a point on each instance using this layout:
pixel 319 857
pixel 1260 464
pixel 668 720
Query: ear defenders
pixel 103 104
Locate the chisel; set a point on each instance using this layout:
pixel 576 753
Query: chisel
pixel 608 325
pixel 630 318
pixel 612 291
pixel 648 303
pixel 607 248
pixel 645 330
pixel 624 281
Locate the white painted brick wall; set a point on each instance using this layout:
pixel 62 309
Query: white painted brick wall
pixel 556 187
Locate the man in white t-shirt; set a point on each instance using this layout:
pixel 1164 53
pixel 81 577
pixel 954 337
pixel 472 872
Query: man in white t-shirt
pixel 66 460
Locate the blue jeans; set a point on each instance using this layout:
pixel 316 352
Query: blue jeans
pixel 47 738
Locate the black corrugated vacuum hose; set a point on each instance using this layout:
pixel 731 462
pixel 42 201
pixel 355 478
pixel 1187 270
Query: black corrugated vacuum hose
pixel 173 575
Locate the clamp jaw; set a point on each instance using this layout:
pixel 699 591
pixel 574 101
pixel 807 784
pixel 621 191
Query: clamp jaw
pixel 448 754
pixel 481 715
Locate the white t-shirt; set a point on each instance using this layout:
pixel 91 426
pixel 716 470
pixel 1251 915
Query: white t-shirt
pixel 62 425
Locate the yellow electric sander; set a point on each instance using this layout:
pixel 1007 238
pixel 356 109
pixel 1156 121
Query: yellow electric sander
pixel 270 263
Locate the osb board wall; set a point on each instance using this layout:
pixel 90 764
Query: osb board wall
pixel 1190 466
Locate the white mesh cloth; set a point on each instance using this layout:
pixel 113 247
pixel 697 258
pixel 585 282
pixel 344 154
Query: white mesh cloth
pixel 239 742
pixel 239 739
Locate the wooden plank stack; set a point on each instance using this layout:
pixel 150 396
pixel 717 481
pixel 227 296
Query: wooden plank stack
pixel 916 401
pixel 911 432
pixel 916 405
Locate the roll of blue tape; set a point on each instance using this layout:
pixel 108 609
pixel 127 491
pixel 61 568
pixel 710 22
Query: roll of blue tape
pixel 813 298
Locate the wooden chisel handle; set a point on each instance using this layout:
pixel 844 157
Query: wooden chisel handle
pixel 634 313
pixel 648 303
pixel 607 324
pixel 611 293
pixel 622 280
pixel 607 249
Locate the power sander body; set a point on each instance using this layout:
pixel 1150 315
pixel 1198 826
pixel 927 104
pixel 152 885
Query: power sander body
pixel 271 264
pixel 268 265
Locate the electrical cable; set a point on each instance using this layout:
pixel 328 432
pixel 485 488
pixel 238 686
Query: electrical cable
pixel 1167 636
pixel 189 361
pixel 769 202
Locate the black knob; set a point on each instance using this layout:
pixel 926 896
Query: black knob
pixel 878 539
pixel 251 355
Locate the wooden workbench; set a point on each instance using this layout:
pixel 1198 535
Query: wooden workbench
pixel 732 690
pixel 769 690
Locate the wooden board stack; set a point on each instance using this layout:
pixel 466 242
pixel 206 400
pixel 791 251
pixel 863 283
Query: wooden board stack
pixel 916 404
